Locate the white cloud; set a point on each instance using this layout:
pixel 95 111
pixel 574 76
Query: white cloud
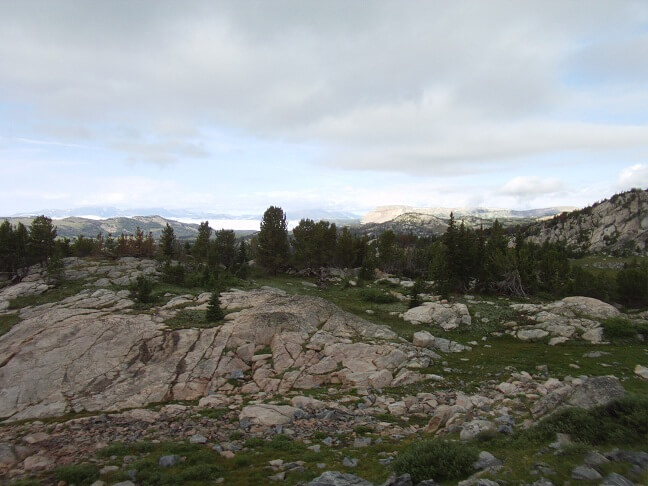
pixel 633 176
pixel 529 186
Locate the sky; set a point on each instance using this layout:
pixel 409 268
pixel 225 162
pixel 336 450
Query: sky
pixel 233 106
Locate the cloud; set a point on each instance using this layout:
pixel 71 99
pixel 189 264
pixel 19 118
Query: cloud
pixel 530 186
pixel 633 176
pixel 402 87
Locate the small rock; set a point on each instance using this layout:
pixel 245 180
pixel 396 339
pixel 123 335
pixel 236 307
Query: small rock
pixel 276 462
pixel 197 439
pixel 594 458
pixel 486 460
pixel 349 461
pixel 404 480
pixel 280 476
pixel 335 478
pixel 641 371
pixel 585 473
pixel 168 461
pixel 360 442
pixel 108 469
pixel 614 479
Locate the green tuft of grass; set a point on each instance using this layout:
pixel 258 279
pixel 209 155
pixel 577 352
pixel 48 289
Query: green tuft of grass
pixel 377 296
pixel 77 473
pixel 440 460
pixel 620 330
pixel 8 321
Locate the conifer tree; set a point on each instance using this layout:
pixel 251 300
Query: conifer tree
pixel 273 246
pixel 214 311
pixel 167 242
pixel 41 239
pixel 201 245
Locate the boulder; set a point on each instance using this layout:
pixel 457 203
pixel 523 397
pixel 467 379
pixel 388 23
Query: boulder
pixel 446 316
pixel 334 478
pixel 269 415
pixel 641 371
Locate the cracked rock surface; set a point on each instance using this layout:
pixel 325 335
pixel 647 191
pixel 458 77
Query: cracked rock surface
pixel 93 352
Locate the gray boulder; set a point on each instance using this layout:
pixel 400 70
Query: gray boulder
pixel 335 478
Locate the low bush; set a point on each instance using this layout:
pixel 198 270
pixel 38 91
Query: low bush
pixel 440 460
pixel 77 473
pixel 377 296
pixel 142 290
pixel 620 329
pixel 622 421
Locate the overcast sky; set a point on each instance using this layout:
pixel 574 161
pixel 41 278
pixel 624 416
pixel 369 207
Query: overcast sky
pixel 346 105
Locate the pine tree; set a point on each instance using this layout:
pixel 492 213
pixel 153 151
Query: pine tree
pixel 201 245
pixel 273 246
pixel 167 242
pixel 214 311
pixel 41 239
pixel 225 244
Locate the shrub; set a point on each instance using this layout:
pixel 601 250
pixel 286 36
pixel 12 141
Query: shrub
pixel 377 296
pixel 440 460
pixel 173 274
pixel 143 288
pixel 622 421
pixel 214 311
pixel 620 329
pixel 77 473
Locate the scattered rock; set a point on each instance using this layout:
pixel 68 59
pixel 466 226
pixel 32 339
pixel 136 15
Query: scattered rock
pixel 334 478
pixel 585 473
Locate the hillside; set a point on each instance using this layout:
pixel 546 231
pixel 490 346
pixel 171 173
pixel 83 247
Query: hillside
pixel 618 225
pixel 75 226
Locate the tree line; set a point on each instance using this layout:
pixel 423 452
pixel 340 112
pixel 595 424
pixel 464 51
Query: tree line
pixel 461 260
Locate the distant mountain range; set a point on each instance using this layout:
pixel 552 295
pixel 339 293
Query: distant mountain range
pixel 383 214
pixel 106 212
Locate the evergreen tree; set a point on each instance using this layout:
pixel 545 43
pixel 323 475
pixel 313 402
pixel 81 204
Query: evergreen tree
pixel 273 246
pixel 241 263
pixel 41 239
pixel 226 247
pixel 214 311
pixel 7 248
pixel 345 254
pixel 167 242
pixel 201 245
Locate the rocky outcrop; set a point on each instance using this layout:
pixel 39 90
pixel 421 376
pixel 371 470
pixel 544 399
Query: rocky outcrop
pixel 93 352
pixel 588 393
pixel 569 318
pixel 616 225
pixel 446 316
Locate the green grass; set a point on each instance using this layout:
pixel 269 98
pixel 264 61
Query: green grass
pixel 201 465
pixel 186 318
pixel 78 474
pixel 440 460
pixel 620 330
pixel 7 321
pixel 65 290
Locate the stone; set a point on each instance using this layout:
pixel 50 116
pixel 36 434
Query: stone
pixel 380 379
pixel 585 473
pixel 334 478
pixel 593 391
pixel 641 371
pixel 531 334
pixel 269 415
pixel 447 316
pixel 486 460
pixel 404 480
pixel 37 462
pixel 614 479
pixel 124 483
pixel 349 461
pixel 197 439
pixel 124 360
pixel 360 442
pixel 424 339
pixel 472 429
pixel 307 403
pixel 168 461
pixel 397 409
pixel 108 469
pixel 594 458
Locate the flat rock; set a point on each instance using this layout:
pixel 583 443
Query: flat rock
pixel 118 359
pixel 446 316
pixel 269 415
pixel 334 478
